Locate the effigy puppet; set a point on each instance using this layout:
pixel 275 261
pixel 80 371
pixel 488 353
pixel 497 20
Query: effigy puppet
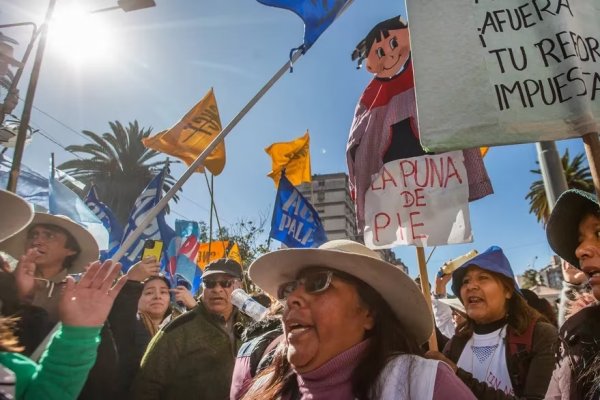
pixel 385 125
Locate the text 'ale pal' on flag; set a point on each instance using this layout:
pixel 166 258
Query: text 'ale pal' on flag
pixel 293 157
pixel 316 14
pixel 190 136
pixel 295 222
pixel 156 230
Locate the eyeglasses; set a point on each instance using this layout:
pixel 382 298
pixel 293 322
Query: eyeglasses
pixel 313 282
pixel 211 284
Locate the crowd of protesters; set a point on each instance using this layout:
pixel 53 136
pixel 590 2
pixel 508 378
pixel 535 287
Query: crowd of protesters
pixel 343 323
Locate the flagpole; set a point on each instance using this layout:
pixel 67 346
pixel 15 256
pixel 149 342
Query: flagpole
pixel 130 240
pixel 294 56
pixel 433 345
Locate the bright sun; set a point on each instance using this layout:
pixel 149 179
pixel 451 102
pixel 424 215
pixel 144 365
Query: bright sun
pixel 79 37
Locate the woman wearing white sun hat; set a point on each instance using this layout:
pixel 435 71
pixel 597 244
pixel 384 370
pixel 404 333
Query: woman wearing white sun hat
pixel 353 325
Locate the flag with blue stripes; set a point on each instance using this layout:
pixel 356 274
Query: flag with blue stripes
pixel 295 222
pixel 109 220
pixel 63 201
pixel 156 230
pixel 316 14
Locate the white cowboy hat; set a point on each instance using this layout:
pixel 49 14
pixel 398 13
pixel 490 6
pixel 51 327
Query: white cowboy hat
pixel 15 246
pixel 454 303
pixel 15 214
pixel 397 289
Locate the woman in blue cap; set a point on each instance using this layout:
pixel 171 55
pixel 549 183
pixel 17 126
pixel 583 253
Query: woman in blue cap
pixel 573 232
pixel 504 349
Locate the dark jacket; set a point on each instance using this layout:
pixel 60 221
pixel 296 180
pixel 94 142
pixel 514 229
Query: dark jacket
pixel 191 358
pixel 131 337
pixel 536 366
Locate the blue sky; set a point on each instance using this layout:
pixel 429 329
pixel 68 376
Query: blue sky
pixel 164 59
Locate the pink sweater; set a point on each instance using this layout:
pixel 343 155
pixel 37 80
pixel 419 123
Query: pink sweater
pixel 332 380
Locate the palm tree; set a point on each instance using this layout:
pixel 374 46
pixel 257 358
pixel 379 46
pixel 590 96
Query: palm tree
pixel 578 177
pixel 118 163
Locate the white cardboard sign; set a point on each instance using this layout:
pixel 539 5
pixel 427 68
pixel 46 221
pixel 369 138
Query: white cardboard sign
pixel 422 201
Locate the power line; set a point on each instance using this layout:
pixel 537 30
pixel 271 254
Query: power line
pixel 87 139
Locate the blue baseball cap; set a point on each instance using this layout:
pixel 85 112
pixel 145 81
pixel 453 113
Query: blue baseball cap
pixel 493 260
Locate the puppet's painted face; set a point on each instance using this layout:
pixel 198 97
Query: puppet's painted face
pixel 388 55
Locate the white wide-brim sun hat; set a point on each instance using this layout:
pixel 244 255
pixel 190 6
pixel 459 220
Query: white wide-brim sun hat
pixel 402 295
pixel 15 246
pixel 15 214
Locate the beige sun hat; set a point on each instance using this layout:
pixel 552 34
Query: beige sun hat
pixel 15 246
pixel 397 289
pixel 15 214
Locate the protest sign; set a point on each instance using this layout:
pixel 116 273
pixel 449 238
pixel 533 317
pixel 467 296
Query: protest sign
pixel 500 72
pixel 421 201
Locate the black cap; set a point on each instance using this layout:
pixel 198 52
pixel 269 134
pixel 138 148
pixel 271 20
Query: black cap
pixel 223 266
pixel 562 229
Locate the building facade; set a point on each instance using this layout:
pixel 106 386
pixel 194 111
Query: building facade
pixel 330 196
pixel 551 274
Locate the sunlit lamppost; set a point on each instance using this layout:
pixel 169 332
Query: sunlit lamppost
pixel 125 5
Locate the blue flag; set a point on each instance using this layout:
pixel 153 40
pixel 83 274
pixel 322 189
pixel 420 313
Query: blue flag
pixel 110 222
pixel 183 252
pixel 316 14
pixel 31 186
pixel 63 201
pixel 295 222
pixel 156 230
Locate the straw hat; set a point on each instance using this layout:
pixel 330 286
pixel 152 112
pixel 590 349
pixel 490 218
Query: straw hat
pixel 15 246
pixel 15 214
pixel 397 289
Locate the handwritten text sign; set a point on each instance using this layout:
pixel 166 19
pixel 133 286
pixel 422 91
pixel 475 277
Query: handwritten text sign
pixel 421 201
pixel 491 72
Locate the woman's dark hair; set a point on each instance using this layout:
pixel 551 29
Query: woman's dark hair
pixel 389 337
pixel 155 277
pixel 543 306
pixel 377 34
pixel 519 313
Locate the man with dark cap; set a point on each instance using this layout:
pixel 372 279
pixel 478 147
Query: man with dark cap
pixel 194 355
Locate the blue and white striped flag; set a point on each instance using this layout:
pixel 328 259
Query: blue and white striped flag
pixel 109 220
pixel 157 229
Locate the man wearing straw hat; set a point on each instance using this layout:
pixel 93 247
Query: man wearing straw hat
pixel 50 248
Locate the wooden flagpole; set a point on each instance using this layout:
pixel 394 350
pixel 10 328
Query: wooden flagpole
pixel 433 345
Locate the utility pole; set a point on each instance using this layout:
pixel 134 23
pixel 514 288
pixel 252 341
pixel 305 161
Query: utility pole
pixel 553 174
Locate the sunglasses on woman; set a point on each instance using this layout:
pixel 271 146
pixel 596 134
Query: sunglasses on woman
pixel 211 284
pixel 313 282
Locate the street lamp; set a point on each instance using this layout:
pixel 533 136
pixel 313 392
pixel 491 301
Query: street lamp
pixel 125 5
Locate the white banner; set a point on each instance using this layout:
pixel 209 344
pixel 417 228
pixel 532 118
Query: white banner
pixel 423 201
pixel 490 72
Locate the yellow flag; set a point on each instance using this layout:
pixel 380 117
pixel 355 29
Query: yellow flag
pixel 292 156
pixel 483 151
pixel 190 136
pixel 217 250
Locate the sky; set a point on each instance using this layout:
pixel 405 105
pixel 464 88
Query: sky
pixel 153 65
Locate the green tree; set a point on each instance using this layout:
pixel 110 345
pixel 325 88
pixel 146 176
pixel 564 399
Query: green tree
pixel 530 278
pixel 578 177
pixel 118 164
pixel 248 236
